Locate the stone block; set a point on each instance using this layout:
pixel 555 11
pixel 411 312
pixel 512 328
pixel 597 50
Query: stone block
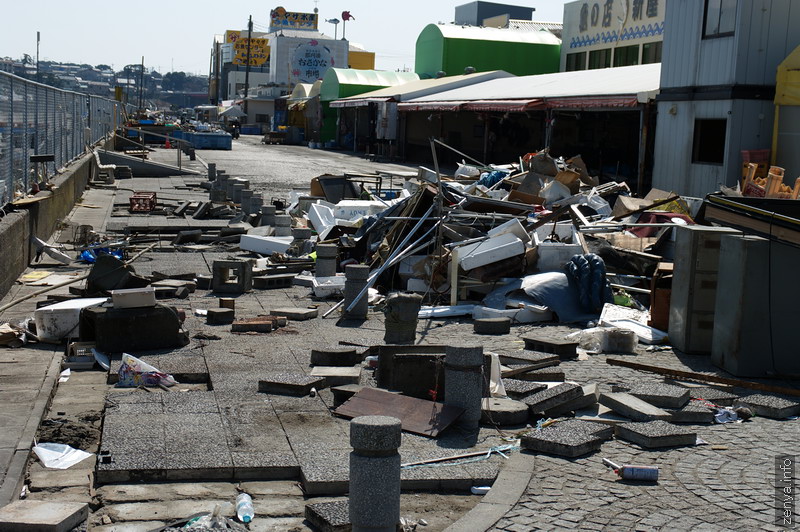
pixel 42 516
pixel 770 406
pixel 271 282
pixel 713 395
pixel 565 349
pixel 633 407
pixel 220 316
pixel 656 434
pixel 221 276
pixel 518 389
pixel 329 516
pixel 553 397
pixel 295 313
pixel 204 282
pixel 692 413
pixel 550 374
pixel 297 384
pixel 227 302
pixel 337 376
pixel 567 438
pixel 335 356
pixel 590 394
pixel 132 329
pixel 261 324
pixel 657 393
pixel 492 326
pixel 503 412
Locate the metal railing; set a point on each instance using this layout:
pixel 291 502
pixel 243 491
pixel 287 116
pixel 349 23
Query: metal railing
pixel 37 119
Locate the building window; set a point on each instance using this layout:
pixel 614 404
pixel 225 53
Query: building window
pixel 651 52
pixel 600 58
pixel 262 119
pixel 626 56
pixel 708 146
pixel 576 61
pixel 720 18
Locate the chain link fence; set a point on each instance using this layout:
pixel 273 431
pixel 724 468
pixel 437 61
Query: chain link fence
pixel 36 119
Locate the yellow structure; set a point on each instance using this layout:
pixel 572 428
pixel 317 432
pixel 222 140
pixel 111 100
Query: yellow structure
pixel 361 60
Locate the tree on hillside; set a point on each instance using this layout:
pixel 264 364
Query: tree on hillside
pixel 103 67
pixel 174 81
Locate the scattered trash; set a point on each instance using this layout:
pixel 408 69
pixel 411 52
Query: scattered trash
pixel 64 376
pixel 629 472
pixel 59 455
pixel 244 508
pixel 480 490
pixel 135 372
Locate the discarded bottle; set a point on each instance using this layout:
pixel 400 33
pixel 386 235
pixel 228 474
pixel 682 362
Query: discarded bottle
pixel 629 472
pixel 244 508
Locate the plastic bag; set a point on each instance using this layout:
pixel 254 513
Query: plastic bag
pixel 135 372
pixel 466 170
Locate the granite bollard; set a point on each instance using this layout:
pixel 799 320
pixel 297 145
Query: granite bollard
pixel 283 225
pixel 356 277
pixel 463 373
pixel 375 473
pixel 326 260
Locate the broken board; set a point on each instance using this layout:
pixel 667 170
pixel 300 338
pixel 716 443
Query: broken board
pixel 417 416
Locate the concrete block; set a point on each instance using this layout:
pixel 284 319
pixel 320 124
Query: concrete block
pixel 295 313
pixel 265 245
pixel 570 438
pixel 204 282
pixel 220 316
pixel 503 412
pixel 188 237
pixel 600 414
pixel 590 394
pixel 42 516
pixel 692 413
pixel 227 302
pixel 337 376
pixel 553 397
pixel 328 286
pixel 59 320
pixel 182 292
pixel 656 434
pixel 329 516
pixel 518 389
pixel 657 393
pixel 261 324
pixel 297 384
pixel 221 276
pixel 492 326
pixel 713 395
pixel 271 282
pixel 132 329
pixel 565 349
pixel 489 251
pixel 335 356
pixel 770 406
pixel 134 297
pixel 633 407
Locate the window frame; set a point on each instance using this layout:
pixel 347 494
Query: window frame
pixel 584 61
pixel 696 141
pixel 705 21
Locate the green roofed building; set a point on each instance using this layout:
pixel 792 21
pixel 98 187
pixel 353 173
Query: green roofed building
pixel 451 48
pixel 343 82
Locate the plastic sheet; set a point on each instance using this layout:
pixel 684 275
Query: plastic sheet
pixel 135 372
pixel 59 455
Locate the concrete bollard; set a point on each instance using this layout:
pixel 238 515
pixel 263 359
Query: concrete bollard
pixel 268 215
pixel 245 200
pixel 221 183
pixel 326 260
pixel 237 192
pixel 283 225
pixel 375 474
pixel 212 171
pixel 356 276
pixel 463 377
pixel 402 310
pixel 256 203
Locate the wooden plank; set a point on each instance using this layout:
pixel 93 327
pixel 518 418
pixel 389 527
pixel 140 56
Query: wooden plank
pixel 690 375
pixel 531 367
pixel 417 416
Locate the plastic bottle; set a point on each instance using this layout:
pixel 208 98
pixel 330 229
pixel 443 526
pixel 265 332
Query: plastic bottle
pixel 244 508
pixel 630 472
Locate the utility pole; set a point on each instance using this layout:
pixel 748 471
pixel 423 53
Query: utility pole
pixel 247 68
pixel 217 59
pixel 38 36
pixel 141 84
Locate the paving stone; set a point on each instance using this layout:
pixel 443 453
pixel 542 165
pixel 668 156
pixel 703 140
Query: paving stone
pixel 518 389
pixel 44 516
pixel 329 516
pixel 632 407
pixel 770 406
pixel 265 465
pixel 335 355
pixel 692 413
pixel 656 434
pixel 492 325
pixel 290 383
pixel 570 438
pixel 713 395
pixel 261 324
pixel 325 471
pixel 271 282
pixel 550 374
pixel 337 376
pixel 589 396
pixel 565 349
pixel 503 412
pixel 552 397
pixel 657 394
pixel 295 313
pixel 220 316
pixel 528 357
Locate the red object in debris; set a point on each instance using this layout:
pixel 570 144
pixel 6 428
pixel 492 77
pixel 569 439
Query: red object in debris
pixel 167 145
pixel 433 395
pixel 143 202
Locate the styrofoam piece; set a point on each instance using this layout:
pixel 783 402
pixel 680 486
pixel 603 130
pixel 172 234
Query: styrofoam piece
pixel 329 286
pixel 445 312
pixel 417 285
pixel 613 312
pixel 407 268
pixel 489 251
pixel 514 227
pixel 553 255
pixel 321 217
pixel 646 334
pixel 266 245
pixel 353 209
pixel 517 315
pixel 134 297
pixel 60 320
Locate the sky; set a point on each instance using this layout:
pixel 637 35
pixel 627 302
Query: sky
pixel 177 35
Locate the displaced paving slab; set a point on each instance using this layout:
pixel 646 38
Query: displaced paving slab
pixel 553 397
pixel 694 412
pixel 657 394
pixel 335 355
pixel 565 349
pixel 337 375
pixel 550 374
pixel 295 313
pixel 770 406
pixel 656 434
pixel 329 516
pixel 42 516
pixel 298 384
pixel 569 438
pixel 519 389
pixel 633 407
pixel 503 412
pixel 590 394
pixel 713 395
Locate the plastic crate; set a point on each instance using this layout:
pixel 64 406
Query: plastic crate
pixel 755 156
pixel 143 202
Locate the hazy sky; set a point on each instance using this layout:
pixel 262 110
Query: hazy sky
pixel 178 34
